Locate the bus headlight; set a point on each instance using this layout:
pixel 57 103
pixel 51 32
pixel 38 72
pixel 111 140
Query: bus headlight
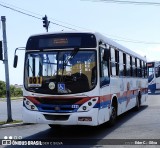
pixel 29 105
pixel 88 105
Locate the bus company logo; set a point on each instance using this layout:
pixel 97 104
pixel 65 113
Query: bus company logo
pixel 7 140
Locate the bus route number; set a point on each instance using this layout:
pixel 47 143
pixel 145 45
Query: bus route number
pixel 35 82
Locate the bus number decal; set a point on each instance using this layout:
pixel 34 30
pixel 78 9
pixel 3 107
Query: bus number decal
pixel 34 81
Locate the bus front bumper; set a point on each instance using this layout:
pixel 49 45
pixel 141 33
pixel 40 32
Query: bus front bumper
pixel 77 118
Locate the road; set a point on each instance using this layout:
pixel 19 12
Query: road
pixel 16 106
pixel 144 124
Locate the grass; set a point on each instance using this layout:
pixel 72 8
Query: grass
pixel 12 98
pixel 13 122
pixel 16 98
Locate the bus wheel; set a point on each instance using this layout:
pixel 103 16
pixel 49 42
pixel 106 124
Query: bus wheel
pixel 137 107
pixel 113 116
pixel 55 126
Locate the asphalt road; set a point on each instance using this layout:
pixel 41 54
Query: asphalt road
pixel 131 126
pixel 16 106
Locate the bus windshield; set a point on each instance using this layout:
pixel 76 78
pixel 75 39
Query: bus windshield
pixel 60 72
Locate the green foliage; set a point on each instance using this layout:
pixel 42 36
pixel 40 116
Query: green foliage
pixel 14 92
pixel 2 89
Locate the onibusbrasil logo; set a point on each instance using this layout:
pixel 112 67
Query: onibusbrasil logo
pixel 17 140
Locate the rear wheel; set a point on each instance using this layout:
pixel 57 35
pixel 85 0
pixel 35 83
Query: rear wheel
pixel 137 107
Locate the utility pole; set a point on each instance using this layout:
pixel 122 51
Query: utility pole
pixel 3 19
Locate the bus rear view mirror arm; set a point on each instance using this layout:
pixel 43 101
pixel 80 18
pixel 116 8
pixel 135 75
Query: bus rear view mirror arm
pixel 16 56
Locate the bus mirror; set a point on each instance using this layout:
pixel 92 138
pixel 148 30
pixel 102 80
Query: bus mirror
pixel 16 57
pixel 15 61
pixel 106 55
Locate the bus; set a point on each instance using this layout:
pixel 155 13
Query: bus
pixel 80 78
pixel 153 76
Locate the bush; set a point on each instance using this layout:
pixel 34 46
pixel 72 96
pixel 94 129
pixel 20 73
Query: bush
pixel 2 89
pixel 14 92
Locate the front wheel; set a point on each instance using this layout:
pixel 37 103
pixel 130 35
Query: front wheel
pixel 55 126
pixel 113 116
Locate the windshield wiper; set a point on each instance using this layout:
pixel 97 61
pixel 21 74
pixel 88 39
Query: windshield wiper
pixel 72 55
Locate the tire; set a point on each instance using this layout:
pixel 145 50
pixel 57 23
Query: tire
pixel 54 126
pixel 137 107
pixel 113 116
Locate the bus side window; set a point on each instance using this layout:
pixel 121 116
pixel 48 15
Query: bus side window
pixel 133 67
pixel 136 69
pixel 121 68
pixel 128 65
pixel 157 72
pixel 104 70
pixel 146 70
pixel 113 62
pixel 124 63
pixel 143 69
pixel 139 66
pixel 117 62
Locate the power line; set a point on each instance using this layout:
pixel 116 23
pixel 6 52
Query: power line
pixel 137 42
pixel 118 38
pixel 11 8
pixel 19 11
pixel 42 16
pixel 127 2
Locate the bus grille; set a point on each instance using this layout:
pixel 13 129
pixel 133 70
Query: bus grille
pixel 58 101
pixel 56 117
pixel 60 109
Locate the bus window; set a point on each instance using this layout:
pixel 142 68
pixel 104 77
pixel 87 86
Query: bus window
pixel 104 72
pixel 133 67
pixel 143 69
pixel 124 63
pixel 117 62
pixel 121 67
pixel 146 70
pixel 128 66
pixel 140 68
pixel 113 64
pixel 157 72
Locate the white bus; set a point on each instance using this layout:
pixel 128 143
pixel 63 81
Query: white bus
pixel 153 76
pixel 80 78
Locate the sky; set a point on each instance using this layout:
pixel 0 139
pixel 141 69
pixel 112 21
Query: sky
pixel 126 24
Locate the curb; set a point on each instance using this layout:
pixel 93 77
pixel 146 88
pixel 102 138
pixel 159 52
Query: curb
pixel 14 124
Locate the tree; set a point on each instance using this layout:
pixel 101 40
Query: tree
pixel 15 92
pixel 2 89
pixel 18 92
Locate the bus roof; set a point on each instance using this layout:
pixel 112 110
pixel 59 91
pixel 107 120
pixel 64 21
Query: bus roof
pixel 101 37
